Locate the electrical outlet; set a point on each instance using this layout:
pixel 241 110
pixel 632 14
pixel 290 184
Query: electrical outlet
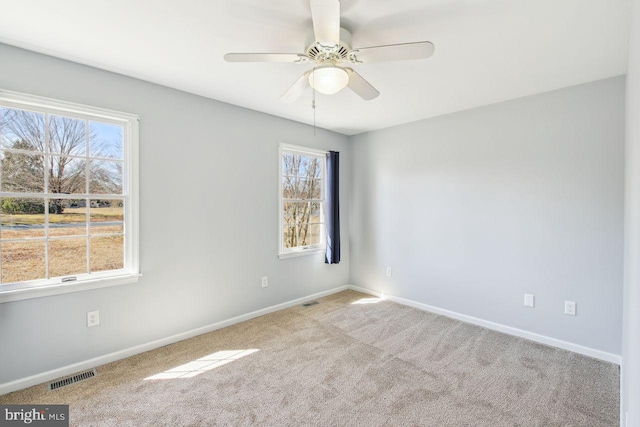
pixel 529 300
pixel 93 318
pixel 265 281
pixel 389 271
pixel 570 308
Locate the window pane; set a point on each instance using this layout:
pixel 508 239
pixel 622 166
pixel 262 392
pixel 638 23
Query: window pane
pixel 308 234
pixel 298 165
pixel 105 140
pixel 106 177
pixel 302 235
pixel 68 136
pixel 107 216
pixel 22 129
pixel 290 237
pixel 21 218
pixel 72 221
pixel 287 161
pixel 107 253
pixel 301 212
pixel 22 261
pixel 312 234
pixel 67 175
pixel 67 257
pixel 301 188
pixel 22 173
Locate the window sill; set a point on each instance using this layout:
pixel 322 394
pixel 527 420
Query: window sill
pixel 65 288
pixel 303 252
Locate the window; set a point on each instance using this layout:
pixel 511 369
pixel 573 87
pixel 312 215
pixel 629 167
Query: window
pixel 302 200
pixel 68 197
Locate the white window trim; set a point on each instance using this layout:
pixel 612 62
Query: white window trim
pixel 311 250
pixel 83 282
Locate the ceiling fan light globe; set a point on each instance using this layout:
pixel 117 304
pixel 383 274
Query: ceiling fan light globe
pixel 329 79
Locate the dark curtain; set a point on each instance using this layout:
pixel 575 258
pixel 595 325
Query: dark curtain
pixel 332 255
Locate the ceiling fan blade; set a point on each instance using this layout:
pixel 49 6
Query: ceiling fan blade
pixel 360 86
pixel 395 52
pixel 265 57
pixel 296 89
pixel 326 21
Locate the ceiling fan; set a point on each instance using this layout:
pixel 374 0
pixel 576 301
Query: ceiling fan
pixel 329 46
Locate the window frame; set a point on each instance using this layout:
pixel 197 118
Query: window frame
pixel 130 194
pixel 283 252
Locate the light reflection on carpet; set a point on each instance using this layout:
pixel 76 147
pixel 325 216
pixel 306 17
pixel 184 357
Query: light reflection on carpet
pixel 368 301
pixel 203 364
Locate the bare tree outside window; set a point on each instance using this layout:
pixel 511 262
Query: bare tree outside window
pixel 23 171
pixel 302 198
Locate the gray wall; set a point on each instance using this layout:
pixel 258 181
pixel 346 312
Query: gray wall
pixel 208 220
pixel 476 208
pixel 631 339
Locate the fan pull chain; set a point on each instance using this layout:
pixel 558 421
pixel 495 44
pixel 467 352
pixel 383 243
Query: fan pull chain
pixel 313 100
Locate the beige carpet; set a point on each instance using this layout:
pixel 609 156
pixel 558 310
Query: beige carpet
pixel 345 363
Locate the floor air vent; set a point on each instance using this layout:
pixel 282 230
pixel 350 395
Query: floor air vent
pixel 309 304
pixel 72 379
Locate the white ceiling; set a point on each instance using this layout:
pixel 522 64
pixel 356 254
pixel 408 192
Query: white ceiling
pixel 486 50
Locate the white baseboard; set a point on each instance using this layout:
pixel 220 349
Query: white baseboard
pixel 543 339
pixel 22 383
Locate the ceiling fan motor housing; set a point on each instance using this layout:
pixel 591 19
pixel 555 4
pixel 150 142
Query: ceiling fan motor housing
pixel 316 52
